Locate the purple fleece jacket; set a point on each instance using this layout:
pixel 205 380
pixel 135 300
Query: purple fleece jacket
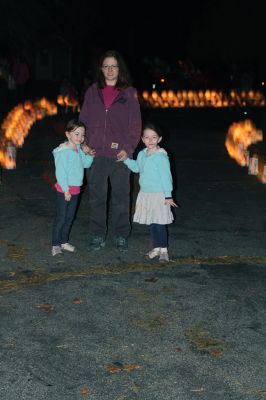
pixel 111 130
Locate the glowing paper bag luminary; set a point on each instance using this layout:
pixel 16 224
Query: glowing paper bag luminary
pixel 253 165
pixel 263 179
pixel 11 153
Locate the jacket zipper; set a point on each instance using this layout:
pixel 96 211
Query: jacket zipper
pixel 106 111
pixel 105 123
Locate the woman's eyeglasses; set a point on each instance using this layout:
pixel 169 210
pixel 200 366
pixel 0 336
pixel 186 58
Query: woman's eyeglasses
pixel 106 67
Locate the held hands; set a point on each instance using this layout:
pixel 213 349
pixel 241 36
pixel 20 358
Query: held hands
pixel 67 196
pixel 170 202
pixel 87 149
pixel 121 156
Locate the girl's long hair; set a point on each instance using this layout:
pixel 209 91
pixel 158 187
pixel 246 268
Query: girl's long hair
pixel 124 78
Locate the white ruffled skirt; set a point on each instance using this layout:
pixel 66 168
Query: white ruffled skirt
pixel 150 209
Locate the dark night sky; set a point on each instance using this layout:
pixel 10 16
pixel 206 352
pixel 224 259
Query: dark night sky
pixel 206 31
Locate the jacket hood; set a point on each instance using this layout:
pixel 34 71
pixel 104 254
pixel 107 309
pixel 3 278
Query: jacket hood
pixel 61 147
pixel 160 150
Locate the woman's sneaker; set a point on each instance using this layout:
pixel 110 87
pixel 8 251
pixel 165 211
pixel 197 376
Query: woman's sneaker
pixel 164 255
pixel 121 244
pixel 68 247
pixel 154 253
pixel 56 250
pixel 97 243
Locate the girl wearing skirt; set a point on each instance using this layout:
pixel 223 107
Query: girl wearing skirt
pixel 154 201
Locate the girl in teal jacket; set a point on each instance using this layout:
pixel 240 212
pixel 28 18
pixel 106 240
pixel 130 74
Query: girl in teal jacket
pixel 154 201
pixel 70 161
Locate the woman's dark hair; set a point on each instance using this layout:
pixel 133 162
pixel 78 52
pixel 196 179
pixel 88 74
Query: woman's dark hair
pixel 124 78
pixel 154 127
pixel 73 124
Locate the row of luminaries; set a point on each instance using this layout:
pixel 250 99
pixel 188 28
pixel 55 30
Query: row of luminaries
pixel 207 98
pixel 187 98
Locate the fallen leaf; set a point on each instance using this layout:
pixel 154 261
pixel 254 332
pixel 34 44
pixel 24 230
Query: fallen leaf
pixel 216 352
pixel 84 392
pixel 46 307
pixel 76 300
pixel 152 279
pixel 131 367
pixel 198 390
pixel 112 369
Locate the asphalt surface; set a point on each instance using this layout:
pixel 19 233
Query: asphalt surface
pixel 101 325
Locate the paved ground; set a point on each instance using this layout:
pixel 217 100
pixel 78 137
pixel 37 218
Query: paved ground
pixel 111 326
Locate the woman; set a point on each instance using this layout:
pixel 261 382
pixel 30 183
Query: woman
pixel 111 114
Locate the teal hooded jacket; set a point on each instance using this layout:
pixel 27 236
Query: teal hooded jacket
pixel 154 169
pixel 69 165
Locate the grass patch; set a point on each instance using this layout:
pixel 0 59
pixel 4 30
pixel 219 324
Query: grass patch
pixel 200 339
pixel 39 276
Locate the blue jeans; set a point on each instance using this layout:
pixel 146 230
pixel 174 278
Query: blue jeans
pixel 158 235
pixel 65 213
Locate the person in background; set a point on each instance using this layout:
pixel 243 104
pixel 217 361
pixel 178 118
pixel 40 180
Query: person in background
pixel 154 200
pixel 70 161
pixel 21 74
pixel 111 114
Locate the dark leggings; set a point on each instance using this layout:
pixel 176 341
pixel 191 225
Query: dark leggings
pixel 158 235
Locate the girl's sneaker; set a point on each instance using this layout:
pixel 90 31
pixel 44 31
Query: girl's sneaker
pixel 68 247
pixel 56 250
pixel 154 253
pixel 164 255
